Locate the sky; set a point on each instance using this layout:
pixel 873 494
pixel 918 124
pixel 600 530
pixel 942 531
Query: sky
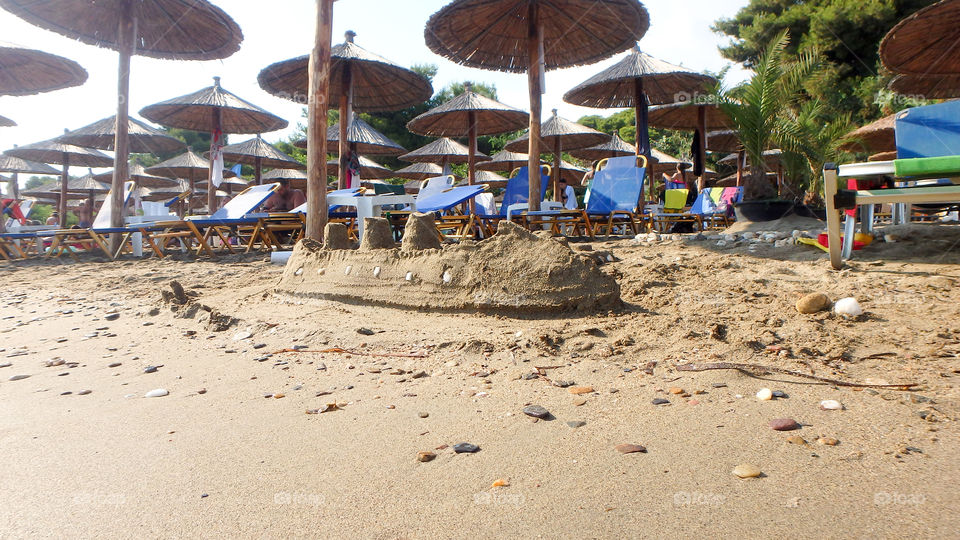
pixel 281 29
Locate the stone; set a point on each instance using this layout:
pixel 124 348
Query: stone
pixel 365 331
pixel 718 385
pixel 159 392
pixel 577 390
pixel 813 303
pixel 84 392
pixel 765 394
pixel 675 390
pixel 112 317
pixel 784 424
pixel 179 295
pixel 500 482
pixel 746 470
pixel 630 448
pixel 796 439
pixel 425 456
pixel 115 364
pixel 18 377
pixel 661 401
pixel 336 236
pixel 831 405
pixel 151 369
pixel 420 233
pixel 536 411
pixel 576 423
pixel 242 335
pixel 376 234
pixel 848 307
pixel 423 414
pixel 579 402
pixel 827 441
pixel 466 448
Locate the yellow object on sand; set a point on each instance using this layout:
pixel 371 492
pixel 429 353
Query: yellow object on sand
pixel 812 242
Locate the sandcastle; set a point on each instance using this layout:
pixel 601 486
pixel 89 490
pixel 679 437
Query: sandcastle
pixel 515 271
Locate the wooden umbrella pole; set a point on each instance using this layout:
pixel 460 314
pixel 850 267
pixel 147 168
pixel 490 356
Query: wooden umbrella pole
pixel 212 189
pixel 126 44
pixel 345 114
pixel 472 159
pixel 534 45
pixel 702 135
pixel 740 155
pixel 193 191
pixel 557 149
pixel 640 100
pixel 257 168
pixel 15 186
pixel 317 123
pixel 64 178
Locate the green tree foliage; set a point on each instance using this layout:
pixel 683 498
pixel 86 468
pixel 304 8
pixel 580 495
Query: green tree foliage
pixel 846 32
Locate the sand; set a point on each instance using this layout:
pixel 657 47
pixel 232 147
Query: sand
pixel 104 464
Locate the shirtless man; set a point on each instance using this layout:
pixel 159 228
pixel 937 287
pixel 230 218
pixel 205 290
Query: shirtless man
pixel 285 199
pixel 84 214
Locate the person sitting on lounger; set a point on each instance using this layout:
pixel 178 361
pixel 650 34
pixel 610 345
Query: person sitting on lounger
pixel 567 196
pixel 84 214
pixel 54 219
pixel 285 199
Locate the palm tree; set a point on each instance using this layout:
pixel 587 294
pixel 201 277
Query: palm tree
pixel 824 141
pixel 760 109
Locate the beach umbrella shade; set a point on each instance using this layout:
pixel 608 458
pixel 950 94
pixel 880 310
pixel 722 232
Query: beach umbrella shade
pixel 166 29
pixel 638 81
pixel 724 140
pixel 469 115
pixel 15 165
pixel 142 139
pixel 771 158
pixel 369 169
pixel 213 110
pixel 663 162
pixel 419 171
pixel 6 122
pixel 362 138
pixel 571 173
pixel 260 154
pixel 86 186
pixel 489 177
pixel 505 161
pixel 25 72
pixel 188 165
pixel 925 43
pixel 927 86
pixel 883 156
pixel 692 115
pixel 51 151
pixel 235 181
pixel 295 177
pixel 556 134
pixel 877 136
pixel 444 151
pixel 140 176
pixel 359 81
pixel 615 147
pixel 532 36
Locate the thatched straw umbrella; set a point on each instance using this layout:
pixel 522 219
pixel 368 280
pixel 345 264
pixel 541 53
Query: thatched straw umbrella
pixel 260 154
pixel 25 72
pixel 369 169
pixel 142 138
pixel 17 165
pixel 573 174
pixel 66 155
pixel 361 80
pixel 505 161
pixel 216 111
pixel 490 177
pixel 877 136
pixel 468 115
pixel 883 156
pixel 927 86
pixel 419 171
pixel 925 43
pixel 168 29
pixel 556 134
pixel 443 151
pixel 187 165
pixel 723 140
pixel 6 122
pixel 86 186
pixel 297 178
pixel 662 162
pixel 533 36
pixel 362 138
pixel 140 176
pixel 615 147
pixel 638 81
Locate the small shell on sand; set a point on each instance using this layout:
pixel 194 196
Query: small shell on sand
pixel 447 276
pixel 376 272
pixel 299 271
pixel 346 271
pixel 746 470
pixel 321 271
pixel 159 392
pixel 831 405
pixel 765 394
pixel 409 276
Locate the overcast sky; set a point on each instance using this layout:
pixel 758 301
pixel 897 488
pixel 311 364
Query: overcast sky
pixel 280 29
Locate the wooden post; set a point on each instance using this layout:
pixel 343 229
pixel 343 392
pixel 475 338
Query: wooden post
pixel 640 100
pixel 64 178
pixel 472 159
pixel 557 152
pixel 343 144
pixel 193 191
pixel 15 187
pixel 126 45
pixel 257 170
pixel 217 116
pixel 702 134
pixel 534 46
pixel 317 123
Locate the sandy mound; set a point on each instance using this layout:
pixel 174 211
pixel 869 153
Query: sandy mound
pixel 514 271
pixel 785 224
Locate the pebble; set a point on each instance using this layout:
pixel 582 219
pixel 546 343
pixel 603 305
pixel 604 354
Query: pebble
pixel 630 448
pixel 423 414
pixel 660 401
pixel 828 441
pixel 151 369
pixel 5 364
pixel 576 423
pixel 831 405
pixel 747 470
pixel 536 411
pixel 465 448
pixel 579 401
pixel 848 307
pixel 18 377
pixel 112 317
pixel 425 456
pixel 796 439
pixel 784 424
pixel 501 482
pixel 765 394
pixel 115 364
pixel 365 331
pixel 719 385
pixel 580 390
pixel 241 335
pixel 159 392
pixel 676 390
pixel 813 303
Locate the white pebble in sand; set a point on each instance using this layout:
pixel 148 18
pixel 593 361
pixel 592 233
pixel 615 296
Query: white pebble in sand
pixel 765 394
pixel 159 392
pixel 409 276
pixel 347 270
pixel 376 272
pixel 299 271
pixel 848 307
pixel 831 405
pixel 447 277
pixel 241 335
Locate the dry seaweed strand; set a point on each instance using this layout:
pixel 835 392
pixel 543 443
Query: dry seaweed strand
pixel 338 350
pixel 753 368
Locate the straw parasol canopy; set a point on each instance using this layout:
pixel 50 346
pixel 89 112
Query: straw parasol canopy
pixel 139 175
pixel 6 122
pixel 419 171
pixel 444 150
pixel 168 29
pixel 256 151
pixel 505 161
pixel 570 135
pixel 17 165
pixel 925 43
pixel 143 138
pixel 927 86
pixel 486 177
pixel 187 165
pixel 294 176
pixel 369 169
pixel 883 156
pixel 195 112
pixel 663 162
pixel 363 137
pixel 685 116
pixel 24 72
pixel 615 147
pixel 233 181
pixel 877 136
pixel 725 140
pixel 571 173
pixel 531 36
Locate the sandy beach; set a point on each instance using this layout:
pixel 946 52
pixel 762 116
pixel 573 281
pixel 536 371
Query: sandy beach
pixel 233 449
